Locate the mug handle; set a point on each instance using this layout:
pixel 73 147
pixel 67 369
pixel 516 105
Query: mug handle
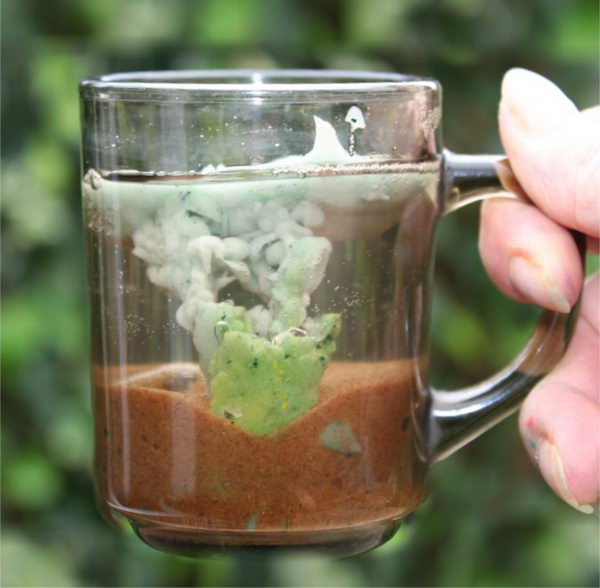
pixel 459 416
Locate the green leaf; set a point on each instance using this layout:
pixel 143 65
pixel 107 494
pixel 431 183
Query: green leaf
pixel 235 22
pixel 26 563
pixel 31 481
pixel 55 78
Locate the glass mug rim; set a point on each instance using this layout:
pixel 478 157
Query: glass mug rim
pixel 239 84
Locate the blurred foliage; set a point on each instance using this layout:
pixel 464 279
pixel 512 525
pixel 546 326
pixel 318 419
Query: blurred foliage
pixel 490 520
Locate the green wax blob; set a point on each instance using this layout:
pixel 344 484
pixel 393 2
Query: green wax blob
pixel 262 385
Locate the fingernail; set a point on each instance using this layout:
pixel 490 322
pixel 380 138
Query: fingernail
pixel 551 466
pixel 534 103
pixel 535 284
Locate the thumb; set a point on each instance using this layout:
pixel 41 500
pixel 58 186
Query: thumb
pixel 553 149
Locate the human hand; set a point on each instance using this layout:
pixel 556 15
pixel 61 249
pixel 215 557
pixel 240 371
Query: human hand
pixel 554 151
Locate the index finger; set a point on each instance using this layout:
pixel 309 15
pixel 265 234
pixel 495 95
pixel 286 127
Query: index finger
pixel 553 149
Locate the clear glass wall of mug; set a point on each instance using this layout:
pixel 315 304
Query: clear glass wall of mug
pixel 260 268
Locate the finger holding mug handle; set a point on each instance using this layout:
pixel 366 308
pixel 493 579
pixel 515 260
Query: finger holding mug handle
pixel 553 148
pixel 532 248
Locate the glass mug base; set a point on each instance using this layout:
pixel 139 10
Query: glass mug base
pixel 207 542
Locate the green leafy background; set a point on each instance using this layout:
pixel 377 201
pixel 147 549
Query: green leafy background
pixel 489 520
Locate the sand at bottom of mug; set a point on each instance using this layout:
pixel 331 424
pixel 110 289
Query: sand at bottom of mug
pixel 164 457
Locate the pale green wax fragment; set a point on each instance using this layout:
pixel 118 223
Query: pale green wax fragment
pixel 300 273
pixel 340 437
pixel 261 385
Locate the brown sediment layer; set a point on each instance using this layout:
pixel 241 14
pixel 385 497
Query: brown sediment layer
pixel 162 455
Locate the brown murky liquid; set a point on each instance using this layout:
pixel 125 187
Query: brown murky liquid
pixel 163 456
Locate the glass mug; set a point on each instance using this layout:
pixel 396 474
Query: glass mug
pixel 260 271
